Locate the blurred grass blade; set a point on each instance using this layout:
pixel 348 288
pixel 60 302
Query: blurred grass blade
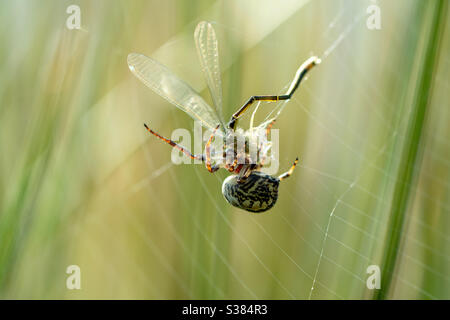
pixel 410 157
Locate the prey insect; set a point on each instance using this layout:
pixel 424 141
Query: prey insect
pixel 248 188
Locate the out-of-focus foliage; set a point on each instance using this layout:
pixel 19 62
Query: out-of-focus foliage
pixel 82 183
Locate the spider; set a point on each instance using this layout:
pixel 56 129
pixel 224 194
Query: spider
pixel 248 188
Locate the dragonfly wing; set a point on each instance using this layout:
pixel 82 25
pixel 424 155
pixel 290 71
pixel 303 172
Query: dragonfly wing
pixel 208 53
pixel 165 83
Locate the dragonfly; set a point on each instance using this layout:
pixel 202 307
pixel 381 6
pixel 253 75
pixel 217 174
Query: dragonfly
pixel 248 187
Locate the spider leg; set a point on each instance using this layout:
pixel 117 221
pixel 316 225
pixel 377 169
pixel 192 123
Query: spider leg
pixel 301 72
pixel 232 166
pixel 245 174
pixel 288 173
pixel 210 168
pixel 176 145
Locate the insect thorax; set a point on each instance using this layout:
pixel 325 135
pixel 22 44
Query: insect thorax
pixel 257 193
pixel 242 147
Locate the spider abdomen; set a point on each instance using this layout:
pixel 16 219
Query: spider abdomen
pixel 257 193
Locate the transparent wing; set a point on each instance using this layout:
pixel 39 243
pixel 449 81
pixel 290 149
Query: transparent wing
pixel 208 53
pixel 165 83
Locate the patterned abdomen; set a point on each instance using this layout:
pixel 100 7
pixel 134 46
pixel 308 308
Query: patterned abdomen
pixel 257 193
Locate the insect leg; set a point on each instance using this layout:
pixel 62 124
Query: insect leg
pixel 269 127
pixel 210 168
pixel 175 145
pixel 301 72
pixel 240 112
pixel 288 173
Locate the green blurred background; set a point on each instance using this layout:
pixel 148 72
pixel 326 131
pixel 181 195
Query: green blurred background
pixel 82 183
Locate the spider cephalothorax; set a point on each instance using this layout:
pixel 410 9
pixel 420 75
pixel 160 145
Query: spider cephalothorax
pixel 248 188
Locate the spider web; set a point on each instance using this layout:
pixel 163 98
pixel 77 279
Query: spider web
pixel 333 217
